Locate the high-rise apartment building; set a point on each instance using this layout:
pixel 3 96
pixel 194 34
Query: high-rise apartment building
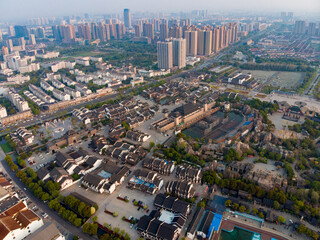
pixel 300 27
pixel 32 39
pixel 84 31
pixel 9 44
pixel 175 32
pixel 5 50
pixel 120 30
pixel 137 31
pixel 21 31
pixel 94 31
pixel 67 33
pixel 103 32
pixel 216 40
pixel 164 54
pixel 164 31
pixel 179 52
pixel 204 42
pixel 221 35
pixel 22 42
pixel 113 31
pixel 156 24
pixel 127 18
pixel 148 30
pixel 234 32
pixel 191 43
pixel 11 32
pixel 312 28
pixel 56 32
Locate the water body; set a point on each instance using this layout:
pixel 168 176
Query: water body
pixel 239 234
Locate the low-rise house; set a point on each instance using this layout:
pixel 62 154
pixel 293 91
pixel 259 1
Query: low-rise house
pixel 68 81
pixel 106 178
pixel 161 166
pixel 57 84
pixel 46 86
pixel 61 176
pixel 145 181
pixel 62 96
pixel 47 231
pixel 22 136
pixel 83 89
pixel 189 173
pixel 171 204
pixel 182 189
pixel 99 144
pixel 72 92
pixel 204 225
pixel 161 225
pixel 137 136
pixel 126 153
pixel 17 222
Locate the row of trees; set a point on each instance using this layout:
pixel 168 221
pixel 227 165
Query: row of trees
pixel 70 208
pixel 311 73
pixel 302 229
pixel 274 67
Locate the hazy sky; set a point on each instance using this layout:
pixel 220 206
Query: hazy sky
pixel 12 9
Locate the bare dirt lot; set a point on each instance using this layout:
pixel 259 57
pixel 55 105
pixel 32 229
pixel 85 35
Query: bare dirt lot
pixel 288 80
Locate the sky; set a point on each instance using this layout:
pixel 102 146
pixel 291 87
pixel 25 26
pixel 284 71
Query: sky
pixel 19 9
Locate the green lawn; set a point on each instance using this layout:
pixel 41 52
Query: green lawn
pixel 6 148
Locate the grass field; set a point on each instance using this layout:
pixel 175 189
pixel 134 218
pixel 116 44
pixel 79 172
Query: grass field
pixel 6 148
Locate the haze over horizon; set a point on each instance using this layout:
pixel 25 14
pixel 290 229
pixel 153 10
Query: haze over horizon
pixel 19 9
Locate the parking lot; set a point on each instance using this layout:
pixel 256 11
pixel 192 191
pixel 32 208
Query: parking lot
pixel 156 137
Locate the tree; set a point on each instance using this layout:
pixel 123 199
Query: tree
pixel 95 218
pixel 75 237
pixel 228 203
pixel 235 206
pixel 77 222
pixel 301 229
pixel 201 204
pixel 151 144
pixel 281 219
pixel 255 211
pixel 242 208
pixel 276 205
pixel 260 215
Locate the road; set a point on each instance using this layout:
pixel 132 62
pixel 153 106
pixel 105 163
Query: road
pixel 314 83
pixel 46 116
pixel 52 214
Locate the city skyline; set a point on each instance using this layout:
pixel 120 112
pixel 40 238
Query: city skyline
pixel 19 9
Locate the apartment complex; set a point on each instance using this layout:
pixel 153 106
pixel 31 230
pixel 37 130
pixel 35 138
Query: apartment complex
pixel 20 103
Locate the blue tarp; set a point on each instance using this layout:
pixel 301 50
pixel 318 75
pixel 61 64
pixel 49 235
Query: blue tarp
pixel 215 224
pixel 246 123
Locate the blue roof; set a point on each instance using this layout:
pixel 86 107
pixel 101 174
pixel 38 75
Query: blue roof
pixel 246 123
pixel 215 224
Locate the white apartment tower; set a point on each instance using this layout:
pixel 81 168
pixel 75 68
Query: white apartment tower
pixel 164 53
pixel 179 52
